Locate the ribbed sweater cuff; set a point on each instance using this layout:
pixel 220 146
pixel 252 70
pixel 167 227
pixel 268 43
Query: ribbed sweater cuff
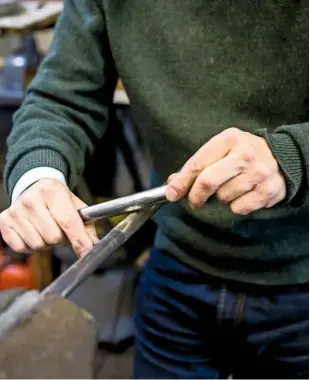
pixel 289 159
pixel 35 158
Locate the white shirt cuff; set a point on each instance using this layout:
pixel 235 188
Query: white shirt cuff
pixel 34 175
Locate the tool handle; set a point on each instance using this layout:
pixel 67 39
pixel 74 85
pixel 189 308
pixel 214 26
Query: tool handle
pixel 125 205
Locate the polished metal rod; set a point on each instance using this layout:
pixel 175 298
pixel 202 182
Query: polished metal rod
pixel 125 205
pixel 69 280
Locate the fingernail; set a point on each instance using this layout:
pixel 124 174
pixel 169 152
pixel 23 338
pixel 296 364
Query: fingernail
pixel 197 205
pixel 193 206
pixel 171 195
pixel 96 240
pixel 86 251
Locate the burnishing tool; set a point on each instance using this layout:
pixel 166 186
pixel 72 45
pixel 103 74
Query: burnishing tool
pixel 44 335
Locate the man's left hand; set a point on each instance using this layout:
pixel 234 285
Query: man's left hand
pixel 236 165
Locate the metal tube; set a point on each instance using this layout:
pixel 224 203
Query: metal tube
pixel 85 266
pixel 125 205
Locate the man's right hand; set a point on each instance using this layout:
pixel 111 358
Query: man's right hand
pixel 46 215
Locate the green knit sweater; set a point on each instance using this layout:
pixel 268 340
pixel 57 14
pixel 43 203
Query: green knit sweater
pixel 191 68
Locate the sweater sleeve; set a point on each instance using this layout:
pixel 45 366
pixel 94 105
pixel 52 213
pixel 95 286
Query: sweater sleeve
pixel 65 110
pixel 290 146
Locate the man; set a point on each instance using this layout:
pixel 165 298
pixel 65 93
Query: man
pixel 219 90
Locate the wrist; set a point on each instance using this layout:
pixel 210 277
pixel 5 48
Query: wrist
pixel 287 155
pixel 34 175
pixel 35 159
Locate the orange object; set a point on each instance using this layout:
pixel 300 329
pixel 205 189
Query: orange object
pixel 119 85
pixel 16 275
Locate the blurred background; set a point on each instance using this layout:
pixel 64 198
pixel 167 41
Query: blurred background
pixel 120 166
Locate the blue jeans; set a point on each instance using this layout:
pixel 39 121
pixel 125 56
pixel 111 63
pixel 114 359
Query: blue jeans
pixel 191 325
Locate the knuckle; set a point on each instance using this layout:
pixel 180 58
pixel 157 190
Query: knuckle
pixel 206 184
pixel 13 212
pixel 262 173
pixel 3 218
pixel 233 131
pixel 178 184
pixel 222 196
pixel 266 191
pixel 45 193
pixel 232 140
pixel 69 224
pixel 42 187
pixel 28 202
pixel 170 178
pixel 54 239
pixel 247 156
pixel 195 164
pixel 48 186
pixel 232 135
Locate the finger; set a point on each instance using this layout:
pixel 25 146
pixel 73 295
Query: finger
pixel 26 230
pixel 13 240
pixel 248 203
pixel 215 175
pixel 273 202
pixel 92 232
pixel 214 150
pixel 171 177
pixel 261 196
pixel 280 194
pixel 43 221
pixel 90 226
pixel 235 188
pixel 64 211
